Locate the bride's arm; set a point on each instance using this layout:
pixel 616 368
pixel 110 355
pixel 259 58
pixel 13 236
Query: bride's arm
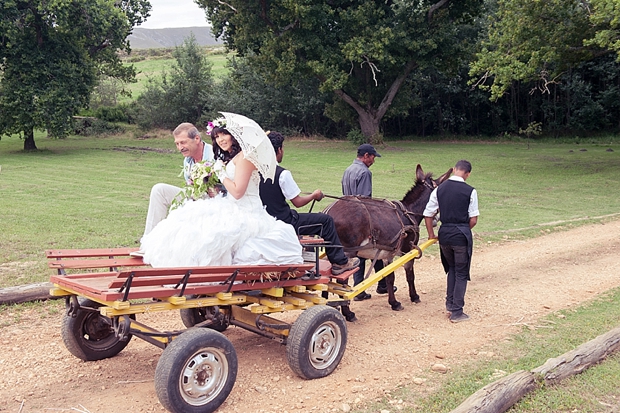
pixel 243 171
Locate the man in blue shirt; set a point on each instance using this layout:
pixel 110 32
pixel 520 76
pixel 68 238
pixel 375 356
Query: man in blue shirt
pixel 357 180
pixel 457 203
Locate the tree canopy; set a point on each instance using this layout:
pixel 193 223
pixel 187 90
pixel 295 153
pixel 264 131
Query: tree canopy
pixel 540 40
pixel 51 55
pixel 360 50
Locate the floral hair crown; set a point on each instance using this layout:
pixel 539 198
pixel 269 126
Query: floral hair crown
pixel 217 123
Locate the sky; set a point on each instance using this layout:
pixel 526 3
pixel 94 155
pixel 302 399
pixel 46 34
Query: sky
pixel 174 13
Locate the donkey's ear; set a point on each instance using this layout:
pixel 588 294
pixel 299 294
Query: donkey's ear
pixel 444 176
pixel 419 173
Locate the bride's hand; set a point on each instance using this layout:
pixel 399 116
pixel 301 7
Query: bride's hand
pixel 220 170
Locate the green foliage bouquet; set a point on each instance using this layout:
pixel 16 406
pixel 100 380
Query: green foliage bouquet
pixel 202 178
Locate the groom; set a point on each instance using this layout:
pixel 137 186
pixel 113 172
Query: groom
pixel 188 141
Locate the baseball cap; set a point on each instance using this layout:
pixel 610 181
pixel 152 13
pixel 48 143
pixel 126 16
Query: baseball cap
pixel 367 148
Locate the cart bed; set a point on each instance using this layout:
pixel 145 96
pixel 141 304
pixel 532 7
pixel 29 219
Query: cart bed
pixel 128 278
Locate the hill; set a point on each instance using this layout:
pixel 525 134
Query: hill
pixel 156 38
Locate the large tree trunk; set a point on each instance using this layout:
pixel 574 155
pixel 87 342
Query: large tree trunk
pixel 29 144
pixel 369 117
pixel 584 356
pixel 369 125
pixel 500 395
pixel 26 293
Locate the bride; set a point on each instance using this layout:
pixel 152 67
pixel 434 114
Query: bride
pixel 224 230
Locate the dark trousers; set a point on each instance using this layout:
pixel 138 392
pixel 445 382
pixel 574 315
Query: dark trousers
pixel 322 225
pixel 358 277
pixel 457 259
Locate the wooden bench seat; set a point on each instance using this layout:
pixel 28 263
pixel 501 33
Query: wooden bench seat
pixel 131 278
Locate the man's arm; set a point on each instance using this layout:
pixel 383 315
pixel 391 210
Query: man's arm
pixel 472 222
pixel 429 227
pixel 364 185
pixel 300 201
pixel 291 191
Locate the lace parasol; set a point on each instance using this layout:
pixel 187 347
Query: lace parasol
pixel 254 142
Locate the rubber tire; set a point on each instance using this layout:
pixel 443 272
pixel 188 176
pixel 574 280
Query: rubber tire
pixel 316 342
pixel 186 356
pixel 193 316
pixel 100 343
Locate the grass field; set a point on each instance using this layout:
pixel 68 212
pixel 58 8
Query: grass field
pixel 93 192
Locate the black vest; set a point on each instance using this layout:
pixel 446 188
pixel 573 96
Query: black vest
pixel 453 198
pixel 273 198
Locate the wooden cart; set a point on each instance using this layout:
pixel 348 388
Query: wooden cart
pixel 106 288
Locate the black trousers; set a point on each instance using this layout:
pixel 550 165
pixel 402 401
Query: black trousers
pixel 457 260
pixel 358 277
pixel 322 225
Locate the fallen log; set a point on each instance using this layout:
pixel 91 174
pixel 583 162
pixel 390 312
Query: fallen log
pixel 26 293
pixel 499 396
pixel 579 359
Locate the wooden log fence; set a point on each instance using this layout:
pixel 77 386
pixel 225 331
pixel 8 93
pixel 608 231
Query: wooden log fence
pixel 502 394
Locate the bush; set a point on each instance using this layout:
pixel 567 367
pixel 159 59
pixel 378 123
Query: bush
pixel 93 126
pixel 118 113
pixel 356 136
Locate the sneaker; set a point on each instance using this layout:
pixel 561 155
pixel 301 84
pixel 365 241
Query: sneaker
pixel 137 254
pixel 352 264
pixel 459 318
pixel 362 296
pixel 384 290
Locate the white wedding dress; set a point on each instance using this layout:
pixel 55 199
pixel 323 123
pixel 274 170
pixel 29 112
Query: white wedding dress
pixel 222 231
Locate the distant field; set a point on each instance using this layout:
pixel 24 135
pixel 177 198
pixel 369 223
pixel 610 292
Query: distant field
pixel 155 66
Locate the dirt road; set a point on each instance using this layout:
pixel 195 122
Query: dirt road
pixel 512 284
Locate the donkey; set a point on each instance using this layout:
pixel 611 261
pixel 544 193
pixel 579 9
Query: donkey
pixel 380 229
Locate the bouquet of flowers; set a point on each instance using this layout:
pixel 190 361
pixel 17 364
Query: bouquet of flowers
pixel 202 178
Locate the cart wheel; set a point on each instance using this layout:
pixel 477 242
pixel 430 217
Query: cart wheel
pixel 193 316
pixel 196 372
pixel 316 342
pixel 90 336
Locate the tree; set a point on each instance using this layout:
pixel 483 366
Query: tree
pixel 51 55
pixel 182 95
pixel 360 50
pixel 542 40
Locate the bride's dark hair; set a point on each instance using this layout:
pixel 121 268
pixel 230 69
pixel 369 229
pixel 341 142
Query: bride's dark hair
pixel 218 152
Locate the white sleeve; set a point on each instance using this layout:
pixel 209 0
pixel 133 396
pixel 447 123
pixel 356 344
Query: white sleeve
pixel 288 185
pixel 432 206
pixel 473 204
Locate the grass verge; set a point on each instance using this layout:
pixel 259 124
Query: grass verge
pixel 594 390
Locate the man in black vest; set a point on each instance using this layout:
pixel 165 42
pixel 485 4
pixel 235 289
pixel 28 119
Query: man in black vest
pixel 457 203
pixel 274 195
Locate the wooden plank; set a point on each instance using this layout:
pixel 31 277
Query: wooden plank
pixel 83 253
pixel 194 278
pixel 150 272
pixel 95 263
pixel 98 288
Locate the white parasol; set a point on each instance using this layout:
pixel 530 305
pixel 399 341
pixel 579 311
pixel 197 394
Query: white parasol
pixel 254 142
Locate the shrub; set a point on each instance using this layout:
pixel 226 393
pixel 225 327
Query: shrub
pixel 356 136
pixel 93 126
pixel 118 113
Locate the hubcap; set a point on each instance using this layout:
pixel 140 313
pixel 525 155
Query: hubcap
pixel 204 376
pixel 325 345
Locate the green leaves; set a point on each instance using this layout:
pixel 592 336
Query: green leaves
pixel 539 40
pixel 360 50
pixel 53 52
